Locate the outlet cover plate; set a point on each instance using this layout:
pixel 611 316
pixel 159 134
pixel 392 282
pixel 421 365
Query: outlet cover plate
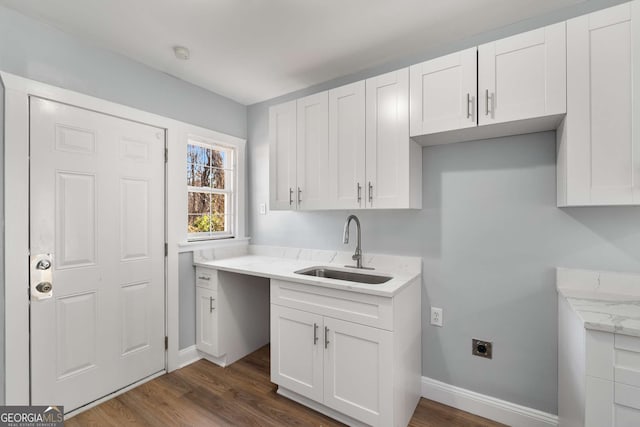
pixel 436 316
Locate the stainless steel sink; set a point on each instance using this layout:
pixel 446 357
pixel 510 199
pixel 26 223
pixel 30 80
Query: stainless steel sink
pixel 348 276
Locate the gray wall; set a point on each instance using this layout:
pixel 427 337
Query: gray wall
pixel 489 235
pixel 35 50
pixel 187 302
pixel 2 370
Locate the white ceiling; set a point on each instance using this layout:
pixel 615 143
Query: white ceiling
pixel 253 50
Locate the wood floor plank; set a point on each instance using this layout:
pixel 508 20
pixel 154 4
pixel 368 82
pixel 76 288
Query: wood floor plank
pixel 204 394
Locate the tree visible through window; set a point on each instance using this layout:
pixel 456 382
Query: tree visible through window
pixel 210 190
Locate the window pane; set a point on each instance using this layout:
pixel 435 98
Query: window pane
pixel 198 203
pixel 218 178
pixel 218 159
pixel 198 175
pixel 218 204
pixel 219 223
pixel 199 224
pixel 197 154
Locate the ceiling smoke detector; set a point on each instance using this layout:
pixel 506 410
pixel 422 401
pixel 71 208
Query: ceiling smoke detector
pixel 181 52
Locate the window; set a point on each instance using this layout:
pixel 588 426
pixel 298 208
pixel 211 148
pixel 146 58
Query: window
pixel 210 183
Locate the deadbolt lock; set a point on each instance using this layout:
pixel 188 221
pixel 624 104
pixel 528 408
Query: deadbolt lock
pixel 44 287
pixel 43 264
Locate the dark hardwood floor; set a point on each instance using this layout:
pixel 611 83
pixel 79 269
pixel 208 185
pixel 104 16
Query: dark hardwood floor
pixel 203 394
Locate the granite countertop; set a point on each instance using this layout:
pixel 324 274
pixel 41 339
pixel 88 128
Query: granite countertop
pixel 274 264
pixel 608 302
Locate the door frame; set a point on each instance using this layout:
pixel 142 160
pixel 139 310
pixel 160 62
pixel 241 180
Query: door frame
pixel 16 195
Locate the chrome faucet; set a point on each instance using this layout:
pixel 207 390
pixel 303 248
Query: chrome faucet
pixel 357 256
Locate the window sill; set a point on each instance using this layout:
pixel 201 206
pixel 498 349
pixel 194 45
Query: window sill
pixel 194 245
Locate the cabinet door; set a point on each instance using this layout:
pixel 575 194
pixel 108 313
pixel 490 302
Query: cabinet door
pixel 357 371
pixel 313 152
pixel 598 153
pixel 523 76
pixel 443 93
pixel 282 156
pixel 388 145
pixel 296 351
pixel 347 146
pixel 207 321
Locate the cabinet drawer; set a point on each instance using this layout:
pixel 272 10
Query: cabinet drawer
pixel 370 310
pixel 627 360
pixel 207 278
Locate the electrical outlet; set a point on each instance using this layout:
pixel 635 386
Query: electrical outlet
pixel 262 209
pixel 482 348
pixel 436 316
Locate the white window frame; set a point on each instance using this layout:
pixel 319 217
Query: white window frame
pixel 231 191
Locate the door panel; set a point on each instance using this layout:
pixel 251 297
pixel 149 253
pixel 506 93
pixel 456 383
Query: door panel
pixel 387 140
pixel 296 357
pixel 313 151
pixel 443 93
pixel 207 321
pixel 356 371
pixel 523 76
pixel 96 205
pixel 347 146
pixel 282 156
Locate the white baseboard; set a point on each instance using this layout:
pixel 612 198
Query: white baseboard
pixel 187 356
pixel 486 406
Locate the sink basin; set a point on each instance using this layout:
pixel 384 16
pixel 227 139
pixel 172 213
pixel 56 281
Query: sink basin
pixel 348 276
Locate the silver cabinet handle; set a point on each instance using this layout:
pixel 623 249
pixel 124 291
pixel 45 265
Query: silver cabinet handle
pixel 207 278
pixel 326 337
pixel 488 97
pixel 370 192
pixel 299 197
pixel 290 196
pixel 315 333
pixel 469 104
pixel 359 188
pixel 211 308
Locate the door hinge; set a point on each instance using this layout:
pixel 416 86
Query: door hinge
pixel 166 343
pixel 166 249
pixel 166 155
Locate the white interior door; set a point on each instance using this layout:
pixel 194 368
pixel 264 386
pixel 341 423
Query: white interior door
pixel 96 205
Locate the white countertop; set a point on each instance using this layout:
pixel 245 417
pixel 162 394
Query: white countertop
pixel 262 262
pixel 604 301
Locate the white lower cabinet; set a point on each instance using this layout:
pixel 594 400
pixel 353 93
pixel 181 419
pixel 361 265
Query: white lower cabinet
pixel 207 318
pixel 598 375
pixel 296 351
pixel 232 314
pixel 349 354
pixel 357 378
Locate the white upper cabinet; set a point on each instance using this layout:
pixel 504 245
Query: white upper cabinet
pixel 523 76
pixel 282 156
pixel 347 146
pixel 312 152
pixel 443 93
pixel 352 148
pixel 393 161
pixel 599 141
